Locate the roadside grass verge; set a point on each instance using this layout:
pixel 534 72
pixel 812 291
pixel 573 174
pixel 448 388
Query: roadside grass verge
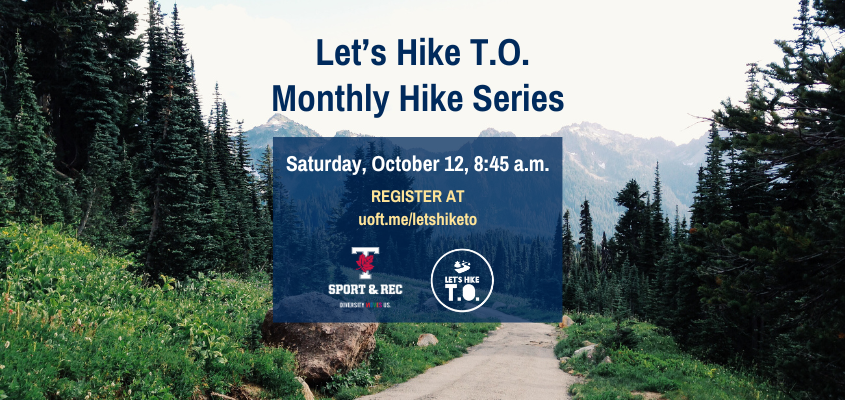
pixel 75 324
pixel 644 360
pixel 397 357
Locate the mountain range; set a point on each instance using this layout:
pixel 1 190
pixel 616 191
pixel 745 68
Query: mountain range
pixel 598 162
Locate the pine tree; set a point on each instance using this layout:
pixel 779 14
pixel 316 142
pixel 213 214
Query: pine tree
pixel 501 261
pixel 630 227
pixel 91 96
pixel 557 247
pixel 568 249
pixel 7 182
pixel 604 254
pixel 748 186
pixel 264 195
pixel 265 182
pixel 659 226
pixel 246 203
pixel 175 238
pixel 588 245
pixel 240 235
pixel 647 241
pixel 711 202
pixel 338 277
pixel 32 150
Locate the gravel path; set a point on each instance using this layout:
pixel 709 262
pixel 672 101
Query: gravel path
pixel 515 361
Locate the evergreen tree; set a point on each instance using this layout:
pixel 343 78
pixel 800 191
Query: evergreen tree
pixel 568 250
pixel 265 182
pixel 175 238
pixel 338 277
pixel 604 254
pixel 264 196
pixel 95 103
pixel 588 245
pixel 557 248
pixel 32 150
pixel 748 187
pixel 629 229
pixel 659 226
pixel 710 204
pixel 7 182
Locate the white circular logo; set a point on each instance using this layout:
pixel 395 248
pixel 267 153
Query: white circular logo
pixel 460 270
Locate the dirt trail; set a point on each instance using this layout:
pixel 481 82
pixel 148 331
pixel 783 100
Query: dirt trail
pixel 514 362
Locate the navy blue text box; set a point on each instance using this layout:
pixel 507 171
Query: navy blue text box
pixel 416 229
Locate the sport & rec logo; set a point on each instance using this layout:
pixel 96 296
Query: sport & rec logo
pixel 365 260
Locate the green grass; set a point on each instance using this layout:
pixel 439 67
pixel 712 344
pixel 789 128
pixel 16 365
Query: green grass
pixel 397 358
pixel 644 360
pixel 75 324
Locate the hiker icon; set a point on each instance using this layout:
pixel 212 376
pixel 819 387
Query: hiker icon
pixel 461 266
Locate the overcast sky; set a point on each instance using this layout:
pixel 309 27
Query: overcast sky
pixel 647 68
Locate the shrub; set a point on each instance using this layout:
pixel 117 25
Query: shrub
pixel 358 377
pixel 645 360
pixel 75 323
pixel 351 393
pixel 621 337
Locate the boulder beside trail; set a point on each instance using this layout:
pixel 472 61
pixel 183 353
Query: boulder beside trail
pixel 566 322
pixel 586 350
pixel 322 349
pixel 426 339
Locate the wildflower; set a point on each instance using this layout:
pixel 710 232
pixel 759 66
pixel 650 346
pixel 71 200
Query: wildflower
pixel 11 311
pixel 120 338
pixel 2 366
pixel 7 344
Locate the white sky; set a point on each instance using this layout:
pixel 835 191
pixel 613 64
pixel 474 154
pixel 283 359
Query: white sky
pixel 646 68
